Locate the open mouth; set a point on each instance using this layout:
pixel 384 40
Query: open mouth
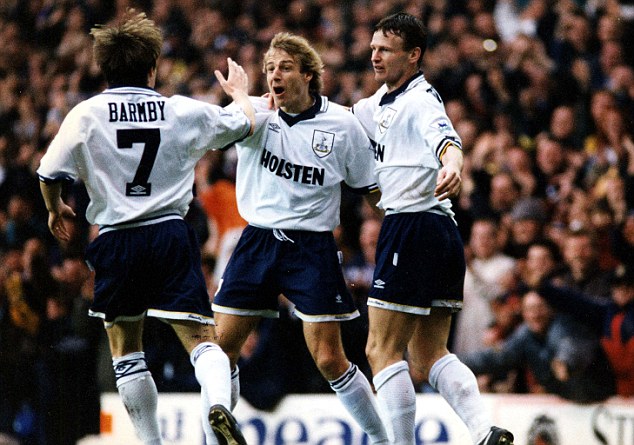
pixel 278 90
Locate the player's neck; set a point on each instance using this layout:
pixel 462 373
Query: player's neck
pixel 300 105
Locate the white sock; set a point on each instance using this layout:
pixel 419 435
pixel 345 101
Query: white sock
pixel 457 384
pixel 210 437
pixel 139 395
pixel 355 393
pixel 235 387
pixel 397 399
pixel 211 367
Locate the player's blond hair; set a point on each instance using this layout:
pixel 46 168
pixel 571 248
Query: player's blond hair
pixel 301 50
pixel 127 51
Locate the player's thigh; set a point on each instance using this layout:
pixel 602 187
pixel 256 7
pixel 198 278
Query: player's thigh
pixel 429 342
pixel 191 333
pixel 125 337
pixel 232 332
pixel 389 333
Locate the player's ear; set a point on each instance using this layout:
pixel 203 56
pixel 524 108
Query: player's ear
pixel 414 55
pixel 151 77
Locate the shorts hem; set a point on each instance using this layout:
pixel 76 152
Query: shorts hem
pixel 266 313
pixel 454 305
pixel 155 313
pixel 326 317
pixel 185 316
pixel 110 323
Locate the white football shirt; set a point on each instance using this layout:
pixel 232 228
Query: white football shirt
pixel 135 150
pixel 290 170
pixel 410 130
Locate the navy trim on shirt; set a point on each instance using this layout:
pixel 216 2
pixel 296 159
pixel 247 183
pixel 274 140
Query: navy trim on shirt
pixel 388 98
pixel 304 115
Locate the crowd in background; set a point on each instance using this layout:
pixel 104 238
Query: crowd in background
pixel 540 91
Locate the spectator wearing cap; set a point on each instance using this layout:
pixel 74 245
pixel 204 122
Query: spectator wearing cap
pixel 612 319
pixel 526 225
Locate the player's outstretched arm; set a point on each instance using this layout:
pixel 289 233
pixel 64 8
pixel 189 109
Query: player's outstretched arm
pixel 236 85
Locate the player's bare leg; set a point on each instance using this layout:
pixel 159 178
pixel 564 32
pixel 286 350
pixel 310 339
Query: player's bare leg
pixel 395 391
pixel 451 378
pixel 351 386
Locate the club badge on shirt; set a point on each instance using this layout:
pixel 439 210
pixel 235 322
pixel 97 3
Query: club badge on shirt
pixel 323 142
pixel 386 119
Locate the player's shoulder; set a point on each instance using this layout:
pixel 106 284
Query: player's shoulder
pixel 339 111
pixel 261 104
pixel 369 103
pixel 422 90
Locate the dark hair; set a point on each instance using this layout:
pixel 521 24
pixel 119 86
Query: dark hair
pixel 409 28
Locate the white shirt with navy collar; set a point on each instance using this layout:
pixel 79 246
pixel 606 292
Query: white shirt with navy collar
pixel 410 130
pixel 290 170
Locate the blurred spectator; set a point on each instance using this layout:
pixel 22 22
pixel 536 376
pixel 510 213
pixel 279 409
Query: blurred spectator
pixel 622 241
pixel 494 196
pixel 613 320
pixel 581 258
pixel 525 226
pixel 562 127
pixel 487 269
pixel 359 270
pixel 22 313
pixel 543 258
pixel 68 365
pixel 561 355
pixel 554 173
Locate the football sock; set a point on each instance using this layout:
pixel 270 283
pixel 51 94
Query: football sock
pixel 235 387
pixel 210 437
pixel 459 387
pixel 139 395
pixel 354 391
pixel 211 367
pixel 397 399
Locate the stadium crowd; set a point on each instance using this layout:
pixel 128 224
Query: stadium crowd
pixel 541 93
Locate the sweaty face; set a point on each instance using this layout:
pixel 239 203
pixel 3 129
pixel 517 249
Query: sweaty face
pixel 392 64
pixel 287 85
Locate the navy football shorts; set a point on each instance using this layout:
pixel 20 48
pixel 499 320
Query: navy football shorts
pixel 303 266
pixel 420 264
pixel 154 269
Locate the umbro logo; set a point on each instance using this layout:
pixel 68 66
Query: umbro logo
pixel 379 284
pixel 339 299
pixel 132 189
pixel 274 127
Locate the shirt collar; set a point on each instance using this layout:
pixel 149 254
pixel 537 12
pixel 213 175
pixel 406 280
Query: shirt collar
pixel 388 98
pixel 304 115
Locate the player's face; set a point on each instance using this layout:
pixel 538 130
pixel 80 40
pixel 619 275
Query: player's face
pixel 287 85
pixel 392 64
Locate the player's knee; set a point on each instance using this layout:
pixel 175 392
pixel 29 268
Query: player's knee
pixel 331 364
